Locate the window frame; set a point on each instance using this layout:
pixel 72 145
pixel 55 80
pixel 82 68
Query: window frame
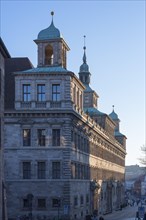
pixel 41 92
pixel 56 94
pixel 56 171
pixel 75 201
pixel 56 136
pixel 87 198
pixel 26 173
pixel 41 171
pixel 58 202
pixel 25 200
pixel 26 140
pixel 43 207
pixel 81 200
pixel 26 91
pixel 41 138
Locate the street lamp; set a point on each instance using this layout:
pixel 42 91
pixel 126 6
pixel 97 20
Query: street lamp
pixel 30 198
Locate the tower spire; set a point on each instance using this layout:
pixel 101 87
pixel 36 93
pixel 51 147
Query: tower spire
pixel 84 73
pixel 84 56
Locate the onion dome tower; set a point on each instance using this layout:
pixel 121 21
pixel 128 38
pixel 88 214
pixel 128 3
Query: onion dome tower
pixel 52 48
pixel 115 118
pixel 121 138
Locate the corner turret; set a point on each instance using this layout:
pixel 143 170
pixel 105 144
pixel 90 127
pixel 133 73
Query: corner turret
pixel 121 138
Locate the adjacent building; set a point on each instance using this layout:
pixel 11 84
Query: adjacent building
pixel 7 91
pixel 4 54
pixel 63 157
pixel 135 181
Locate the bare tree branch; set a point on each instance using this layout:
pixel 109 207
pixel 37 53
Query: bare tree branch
pixel 142 159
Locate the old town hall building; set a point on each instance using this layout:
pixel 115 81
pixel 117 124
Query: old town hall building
pixel 63 157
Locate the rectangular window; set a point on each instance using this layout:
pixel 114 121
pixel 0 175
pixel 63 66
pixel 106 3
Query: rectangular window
pixel 41 203
pixel 72 136
pixel 81 200
pixel 78 98
pixel 76 171
pixel 87 198
pixel 41 137
pixel 41 170
pixel 73 170
pixel 56 92
pixel 26 170
pixel 82 142
pixel 75 140
pixel 26 137
pixel 75 201
pixel 79 171
pixel 56 137
pixel 74 95
pixel 41 92
pixel 79 141
pixel 26 93
pixel 56 202
pixel 56 170
pixel 86 99
pixel 25 203
pixel 82 171
pixel 85 145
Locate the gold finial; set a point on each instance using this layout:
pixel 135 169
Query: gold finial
pixel 52 13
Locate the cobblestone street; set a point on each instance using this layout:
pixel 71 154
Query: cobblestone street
pixel 128 213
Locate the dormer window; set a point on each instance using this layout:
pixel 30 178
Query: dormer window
pixel 48 55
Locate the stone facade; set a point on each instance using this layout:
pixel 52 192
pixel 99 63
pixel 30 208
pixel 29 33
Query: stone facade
pixel 4 54
pixel 59 160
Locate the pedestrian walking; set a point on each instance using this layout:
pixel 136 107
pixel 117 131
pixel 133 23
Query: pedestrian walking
pixel 137 216
pixel 144 218
pixel 94 217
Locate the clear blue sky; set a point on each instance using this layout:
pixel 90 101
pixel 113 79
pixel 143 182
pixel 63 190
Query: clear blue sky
pixel 115 41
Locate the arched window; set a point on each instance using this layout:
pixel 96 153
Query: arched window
pixel 48 55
